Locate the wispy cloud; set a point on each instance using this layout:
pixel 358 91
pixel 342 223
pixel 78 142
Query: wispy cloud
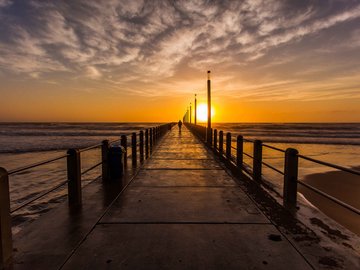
pixel 93 72
pixel 260 45
pixel 4 3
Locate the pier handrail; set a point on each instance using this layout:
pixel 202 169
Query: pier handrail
pixel 44 162
pixel 338 167
pixel 290 172
pixel 273 147
pixel 39 196
pixel 37 164
pixel 149 135
pixel 332 198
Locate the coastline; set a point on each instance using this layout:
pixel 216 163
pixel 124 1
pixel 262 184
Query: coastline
pixel 341 185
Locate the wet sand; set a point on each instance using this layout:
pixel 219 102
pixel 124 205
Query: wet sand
pixel 342 185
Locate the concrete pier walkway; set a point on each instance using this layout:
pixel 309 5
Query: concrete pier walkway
pixel 184 211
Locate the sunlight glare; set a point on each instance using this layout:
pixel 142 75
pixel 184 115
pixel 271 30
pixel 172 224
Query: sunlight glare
pixel 202 112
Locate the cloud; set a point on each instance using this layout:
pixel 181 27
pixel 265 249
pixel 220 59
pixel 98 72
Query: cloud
pixel 4 3
pixel 253 42
pixel 93 72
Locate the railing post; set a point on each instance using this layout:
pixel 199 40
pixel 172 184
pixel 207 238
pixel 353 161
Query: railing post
pixel 215 139
pixel 151 140
pixel 154 136
pixel 123 143
pixel 221 142
pixel 228 145
pixel 141 146
pixel 133 149
pixel 5 220
pixel 239 151
pixel 257 160
pixel 104 159
pixel 74 177
pixel 147 143
pixel 209 136
pixel 290 177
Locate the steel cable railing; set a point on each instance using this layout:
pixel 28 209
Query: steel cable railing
pixel 248 155
pixel 90 148
pixel 156 133
pixel 273 168
pixel 341 168
pixel 74 174
pixel 34 165
pixel 273 147
pixel 91 168
pixel 37 197
pixel 333 199
pixel 290 172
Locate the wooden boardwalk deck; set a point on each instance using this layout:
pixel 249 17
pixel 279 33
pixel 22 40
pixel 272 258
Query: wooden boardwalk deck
pixel 181 211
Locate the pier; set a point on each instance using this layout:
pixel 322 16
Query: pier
pixel 180 204
pixel 182 210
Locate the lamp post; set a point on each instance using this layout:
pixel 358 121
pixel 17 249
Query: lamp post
pixel 190 113
pixel 195 109
pixel 209 133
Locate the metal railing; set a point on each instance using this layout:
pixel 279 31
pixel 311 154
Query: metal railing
pixel 140 150
pixel 291 167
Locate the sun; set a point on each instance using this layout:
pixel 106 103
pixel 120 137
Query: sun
pixel 202 112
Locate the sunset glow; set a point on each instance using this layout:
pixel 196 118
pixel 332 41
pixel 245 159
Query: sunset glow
pixel 277 61
pixel 202 112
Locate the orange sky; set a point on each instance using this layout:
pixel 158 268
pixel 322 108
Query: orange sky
pixel 271 61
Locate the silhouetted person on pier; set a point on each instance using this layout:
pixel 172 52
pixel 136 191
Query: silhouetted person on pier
pixel 179 125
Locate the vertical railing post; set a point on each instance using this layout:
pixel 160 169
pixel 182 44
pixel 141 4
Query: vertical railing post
pixel 290 177
pixel 257 160
pixel 74 177
pixel 221 142
pixel 123 143
pixel 215 139
pixel 154 135
pixel 147 143
pixel 228 145
pixel 5 220
pixel 133 149
pixel 141 146
pixel 208 136
pixel 239 151
pixel 151 140
pixel 104 159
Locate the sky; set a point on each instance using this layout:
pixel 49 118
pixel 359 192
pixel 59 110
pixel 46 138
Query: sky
pixel 119 61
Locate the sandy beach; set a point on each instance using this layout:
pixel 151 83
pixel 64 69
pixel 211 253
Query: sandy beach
pixel 341 185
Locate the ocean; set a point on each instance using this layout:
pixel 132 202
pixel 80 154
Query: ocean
pixel 26 143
